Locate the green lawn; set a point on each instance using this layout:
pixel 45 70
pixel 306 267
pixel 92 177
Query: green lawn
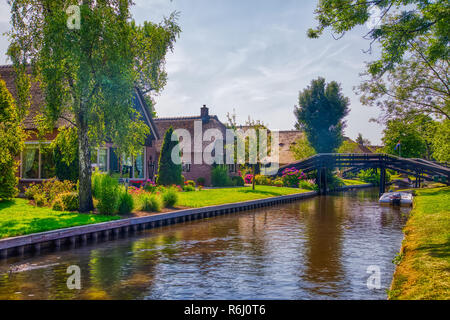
pixel 210 197
pixel 424 269
pixel 350 182
pixel 18 217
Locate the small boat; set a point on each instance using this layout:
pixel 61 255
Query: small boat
pixel 397 198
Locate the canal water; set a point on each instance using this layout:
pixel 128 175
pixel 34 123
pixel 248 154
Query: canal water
pixel 320 248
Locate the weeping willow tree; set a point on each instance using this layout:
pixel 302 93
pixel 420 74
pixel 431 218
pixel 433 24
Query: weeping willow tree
pixel 87 60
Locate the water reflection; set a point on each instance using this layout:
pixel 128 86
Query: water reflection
pixel 319 248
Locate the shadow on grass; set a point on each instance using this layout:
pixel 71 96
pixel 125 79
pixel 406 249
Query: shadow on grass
pixel 6 204
pixel 441 250
pixel 271 193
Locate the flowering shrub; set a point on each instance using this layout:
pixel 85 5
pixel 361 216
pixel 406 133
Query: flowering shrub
pixel 44 194
pixel 278 183
pixel 292 176
pixel 248 178
pixel 307 184
pixel 190 183
pixel 150 186
pixel 263 180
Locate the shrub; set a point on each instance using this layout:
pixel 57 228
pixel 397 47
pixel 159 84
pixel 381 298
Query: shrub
pixel 31 190
pixel 200 188
pixel 170 197
pixel 238 181
pixel 201 181
pixel 40 200
pixel 188 188
pixel 278 182
pixel 107 194
pixel 150 186
pixel 372 176
pixel 125 202
pixel 53 187
pixel 168 172
pixel 190 183
pixel 291 177
pixel 248 178
pixel 11 143
pixel 263 180
pixel 58 205
pixel 96 178
pixel 307 185
pixel 149 202
pixel 219 177
pixel 70 201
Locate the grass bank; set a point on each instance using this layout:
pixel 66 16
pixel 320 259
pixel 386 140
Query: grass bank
pixel 211 197
pixel 351 182
pixel 18 217
pixel 424 268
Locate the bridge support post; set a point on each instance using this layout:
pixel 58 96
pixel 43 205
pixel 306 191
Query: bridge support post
pixel 382 180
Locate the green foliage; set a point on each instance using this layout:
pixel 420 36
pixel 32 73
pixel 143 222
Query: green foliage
pixel 96 178
pixel 403 23
pixel 302 149
pixel 89 75
pixel 278 182
pixel 125 202
pixel 66 154
pixel 320 114
pixel 46 192
pixel 188 188
pixel 349 146
pixel 11 143
pixel 307 185
pixel 170 197
pixel 169 173
pixel 149 202
pixel 201 181
pixel 219 176
pixel 58 205
pixel 441 142
pixel 238 181
pixel 107 194
pixel 372 176
pixel 413 140
pixel 190 182
pixel 70 201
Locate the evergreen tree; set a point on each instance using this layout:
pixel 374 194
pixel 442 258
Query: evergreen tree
pixel 320 114
pixel 169 172
pixel 11 143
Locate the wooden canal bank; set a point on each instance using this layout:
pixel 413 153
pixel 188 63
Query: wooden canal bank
pixel 81 235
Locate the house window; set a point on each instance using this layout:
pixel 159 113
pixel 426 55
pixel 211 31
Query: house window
pixel 37 162
pixel 232 167
pixel 127 167
pixel 99 159
pixel 186 167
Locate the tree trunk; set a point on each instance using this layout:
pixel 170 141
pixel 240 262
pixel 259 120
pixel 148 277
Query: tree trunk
pixel 254 174
pixel 85 187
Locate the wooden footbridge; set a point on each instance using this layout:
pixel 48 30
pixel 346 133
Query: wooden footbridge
pixel 419 168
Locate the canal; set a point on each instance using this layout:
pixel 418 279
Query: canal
pixel 319 248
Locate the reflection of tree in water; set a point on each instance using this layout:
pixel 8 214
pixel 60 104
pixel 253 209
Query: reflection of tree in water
pixel 324 230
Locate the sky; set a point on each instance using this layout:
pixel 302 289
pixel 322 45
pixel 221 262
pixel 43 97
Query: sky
pixel 251 56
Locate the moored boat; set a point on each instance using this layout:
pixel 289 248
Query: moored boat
pixel 397 198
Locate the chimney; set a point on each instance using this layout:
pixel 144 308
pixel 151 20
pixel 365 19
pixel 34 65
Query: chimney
pixel 204 112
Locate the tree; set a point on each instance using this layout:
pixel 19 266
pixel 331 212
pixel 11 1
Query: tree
pixel 88 75
pixel 11 143
pixel 397 26
pixel 441 142
pixel 412 143
pixel 348 146
pixel 414 87
pixel 169 172
pixel 66 154
pixel 320 114
pixel 360 140
pixel 411 76
pixel 302 149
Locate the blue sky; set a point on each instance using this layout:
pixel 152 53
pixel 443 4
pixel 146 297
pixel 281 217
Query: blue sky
pixel 251 56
